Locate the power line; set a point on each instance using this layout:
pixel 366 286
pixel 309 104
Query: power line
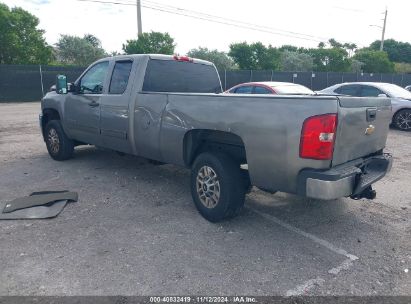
pixel 232 24
pixel 238 24
pixel 215 19
pixel 232 20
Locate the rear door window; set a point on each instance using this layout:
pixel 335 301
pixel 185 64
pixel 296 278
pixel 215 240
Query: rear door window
pixel 350 90
pixel 261 90
pixel 244 90
pixel 180 77
pixel 369 91
pixel 120 76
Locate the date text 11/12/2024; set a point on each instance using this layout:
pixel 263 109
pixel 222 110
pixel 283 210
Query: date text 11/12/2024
pixel 203 299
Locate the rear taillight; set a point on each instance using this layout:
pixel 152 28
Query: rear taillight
pixel 318 136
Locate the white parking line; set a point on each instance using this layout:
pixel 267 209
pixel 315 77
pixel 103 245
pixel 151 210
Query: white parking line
pixel 306 286
pixel 343 266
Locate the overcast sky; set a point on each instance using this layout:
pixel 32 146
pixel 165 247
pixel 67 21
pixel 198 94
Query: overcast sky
pixel 279 22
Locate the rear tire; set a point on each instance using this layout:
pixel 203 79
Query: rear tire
pixel 217 186
pixel 402 120
pixel 59 146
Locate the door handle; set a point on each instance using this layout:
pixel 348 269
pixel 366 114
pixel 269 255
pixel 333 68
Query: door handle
pixel 371 114
pixel 93 104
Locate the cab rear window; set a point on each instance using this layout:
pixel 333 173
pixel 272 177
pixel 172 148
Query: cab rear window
pixel 180 77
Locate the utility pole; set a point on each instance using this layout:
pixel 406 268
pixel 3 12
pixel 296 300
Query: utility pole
pixel 383 30
pixel 139 26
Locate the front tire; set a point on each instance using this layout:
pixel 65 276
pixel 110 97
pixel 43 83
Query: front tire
pixel 59 146
pixel 402 120
pixel 217 186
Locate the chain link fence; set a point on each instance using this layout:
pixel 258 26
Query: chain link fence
pixel 30 82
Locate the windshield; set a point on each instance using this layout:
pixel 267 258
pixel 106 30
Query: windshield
pixel 292 90
pixel 396 91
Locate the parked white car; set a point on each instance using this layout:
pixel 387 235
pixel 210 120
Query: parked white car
pixel 400 98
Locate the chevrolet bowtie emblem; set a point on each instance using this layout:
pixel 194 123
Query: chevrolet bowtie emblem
pixel 369 130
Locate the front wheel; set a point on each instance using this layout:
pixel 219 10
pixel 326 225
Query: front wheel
pixel 402 120
pixel 217 186
pixel 59 146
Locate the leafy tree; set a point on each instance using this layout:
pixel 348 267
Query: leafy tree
pixel 374 61
pixel 114 53
pixel 335 44
pixel 93 40
pixel 290 48
pixel 296 62
pixel 350 48
pixel 20 40
pixel 356 66
pixel 401 67
pixel 150 43
pixel 75 50
pixel 330 60
pixel 397 51
pixel 220 59
pixel 255 56
pixel 242 55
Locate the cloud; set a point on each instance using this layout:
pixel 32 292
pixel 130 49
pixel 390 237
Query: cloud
pixel 38 2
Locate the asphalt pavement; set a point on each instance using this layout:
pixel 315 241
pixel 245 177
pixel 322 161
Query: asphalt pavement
pixel 135 230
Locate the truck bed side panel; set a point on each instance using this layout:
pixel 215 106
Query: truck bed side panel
pixel 270 127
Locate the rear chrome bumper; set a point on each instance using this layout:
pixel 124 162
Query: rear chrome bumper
pixel 349 179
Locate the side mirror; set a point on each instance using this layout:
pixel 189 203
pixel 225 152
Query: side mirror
pixel 382 95
pixel 61 84
pixel 71 87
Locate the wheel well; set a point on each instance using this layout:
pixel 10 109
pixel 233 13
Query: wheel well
pixel 197 141
pixel 48 115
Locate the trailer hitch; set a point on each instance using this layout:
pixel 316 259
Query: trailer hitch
pixel 367 193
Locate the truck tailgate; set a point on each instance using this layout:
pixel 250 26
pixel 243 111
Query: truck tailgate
pixel 363 125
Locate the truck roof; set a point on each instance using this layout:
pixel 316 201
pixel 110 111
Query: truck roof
pixel 160 57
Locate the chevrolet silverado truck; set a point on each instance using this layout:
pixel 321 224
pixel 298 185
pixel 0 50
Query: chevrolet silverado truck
pixel 170 109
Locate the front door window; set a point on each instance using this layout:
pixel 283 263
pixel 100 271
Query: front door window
pixel 92 82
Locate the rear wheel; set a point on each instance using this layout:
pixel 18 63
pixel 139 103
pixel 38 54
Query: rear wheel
pixel 59 146
pixel 217 186
pixel 402 120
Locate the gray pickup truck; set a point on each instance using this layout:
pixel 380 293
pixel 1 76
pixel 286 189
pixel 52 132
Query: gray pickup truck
pixel 170 109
